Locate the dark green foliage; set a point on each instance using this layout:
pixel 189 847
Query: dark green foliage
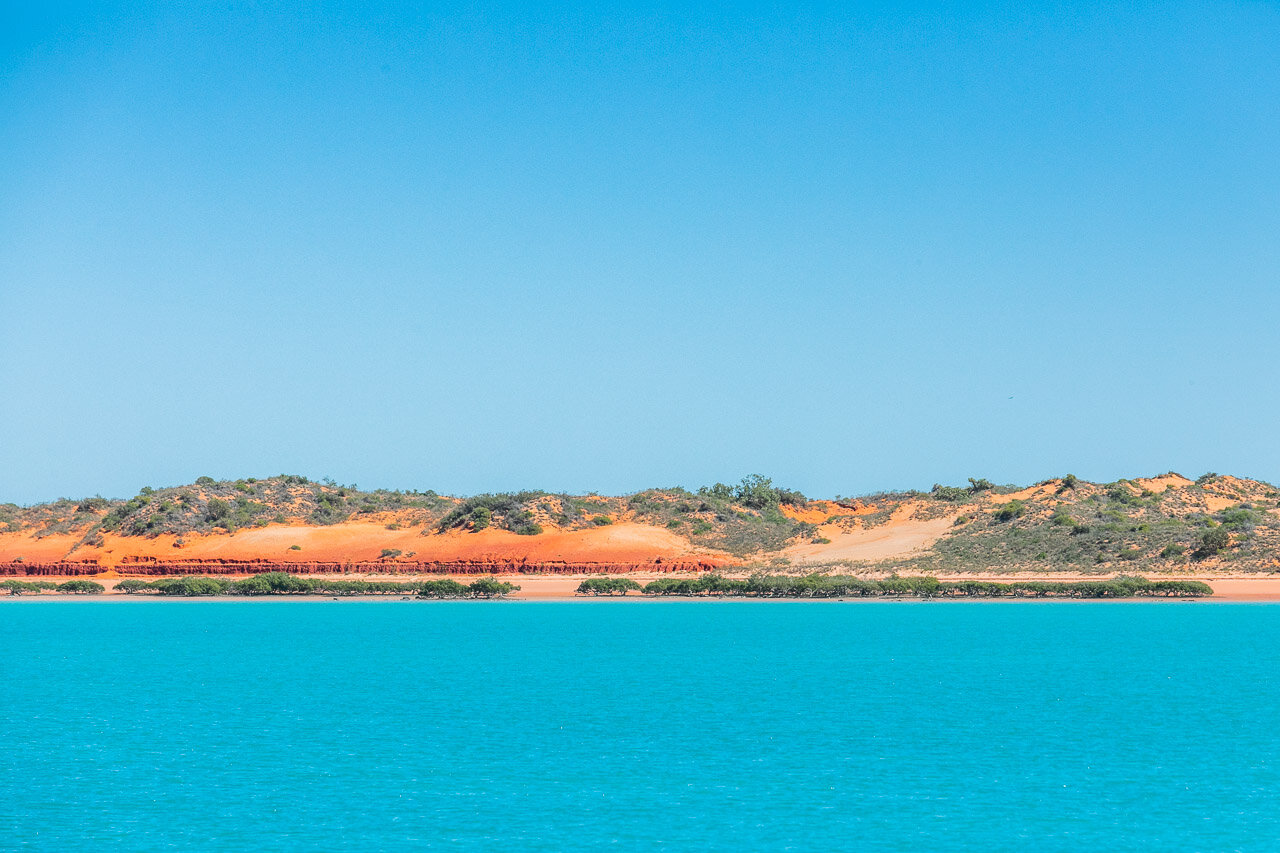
pixel 950 493
pixel 1010 511
pixel 132 586
pixel 1173 550
pixel 1068 483
pixel 1122 494
pixel 754 492
pixel 601 520
pixel 1242 517
pixel 217 510
pixel 445 588
pixel 272 583
pixel 607 586
pixel 490 588
pixel 843 586
pixel 82 587
pixel 389 553
pixel 527 528
pixel 204 481
pixel 191 586
pixel 980 485
pixel 17 587
pixel 331 507
pixel 1211 542
pixel 508 510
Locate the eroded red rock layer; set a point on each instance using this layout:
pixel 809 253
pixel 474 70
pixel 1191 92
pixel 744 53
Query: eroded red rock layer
pixel 144 566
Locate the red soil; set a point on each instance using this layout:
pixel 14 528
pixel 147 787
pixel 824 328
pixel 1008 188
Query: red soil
pixel 358 546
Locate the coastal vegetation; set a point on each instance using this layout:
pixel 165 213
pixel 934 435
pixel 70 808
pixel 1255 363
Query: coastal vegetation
pixel 80 587
pixel 1166 523
pixel 607 586
pixel 17 587
pixel 843 586
pixel 281 583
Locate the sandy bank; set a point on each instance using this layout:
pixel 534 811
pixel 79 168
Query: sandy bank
pixel 550 587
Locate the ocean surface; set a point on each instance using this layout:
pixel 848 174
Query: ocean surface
pixel 375 725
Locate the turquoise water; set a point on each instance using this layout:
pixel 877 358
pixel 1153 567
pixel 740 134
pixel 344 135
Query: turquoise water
pixel 158 725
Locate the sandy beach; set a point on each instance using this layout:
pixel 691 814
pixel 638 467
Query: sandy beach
pixel 1226 587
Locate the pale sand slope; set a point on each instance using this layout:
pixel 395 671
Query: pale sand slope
pixel 898 537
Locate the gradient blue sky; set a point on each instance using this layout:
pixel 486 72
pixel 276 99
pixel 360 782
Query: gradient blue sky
pixel 607 247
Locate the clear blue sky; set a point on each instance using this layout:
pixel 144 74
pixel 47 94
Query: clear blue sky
pixel 610 247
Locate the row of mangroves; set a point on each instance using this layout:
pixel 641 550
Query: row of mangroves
pixel 846 586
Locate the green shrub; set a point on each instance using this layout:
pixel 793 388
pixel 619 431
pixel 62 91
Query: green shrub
pixel 754 492
pixel 444 588
pixel 490 588
pixel 191 586
pixel 132 585
pixel 1242 517
pixel 1212 541
pixel 950 493
pixel 272 583
pixel 833 586
pixel 607 586
pixel 389 553
pixel 601 520
pixel 17 587
pixel 217 510
pixel 1010 511
pixel 82 587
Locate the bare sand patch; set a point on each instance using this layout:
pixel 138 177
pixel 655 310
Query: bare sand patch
pixel 1160 484
pixel 900 536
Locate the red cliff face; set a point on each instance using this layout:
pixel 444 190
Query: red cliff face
pixel 158 567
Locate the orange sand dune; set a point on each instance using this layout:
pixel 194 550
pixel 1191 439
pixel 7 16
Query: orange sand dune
pixel 1159 484
pixel 816 513
pixel 363 542
pixel 1029 493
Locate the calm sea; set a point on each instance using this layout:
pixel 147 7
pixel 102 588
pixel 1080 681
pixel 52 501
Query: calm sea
pixel 225 725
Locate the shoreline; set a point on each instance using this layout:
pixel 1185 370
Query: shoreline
pixel 1234 588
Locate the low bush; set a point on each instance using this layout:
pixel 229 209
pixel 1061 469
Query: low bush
pixel 490 588
pixel 841 586
pixel 1211 542
pixel 1010 511
pixel 607 586
pixel 191 586
pixel 82 587
pixel 950 493
pixel 17 587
